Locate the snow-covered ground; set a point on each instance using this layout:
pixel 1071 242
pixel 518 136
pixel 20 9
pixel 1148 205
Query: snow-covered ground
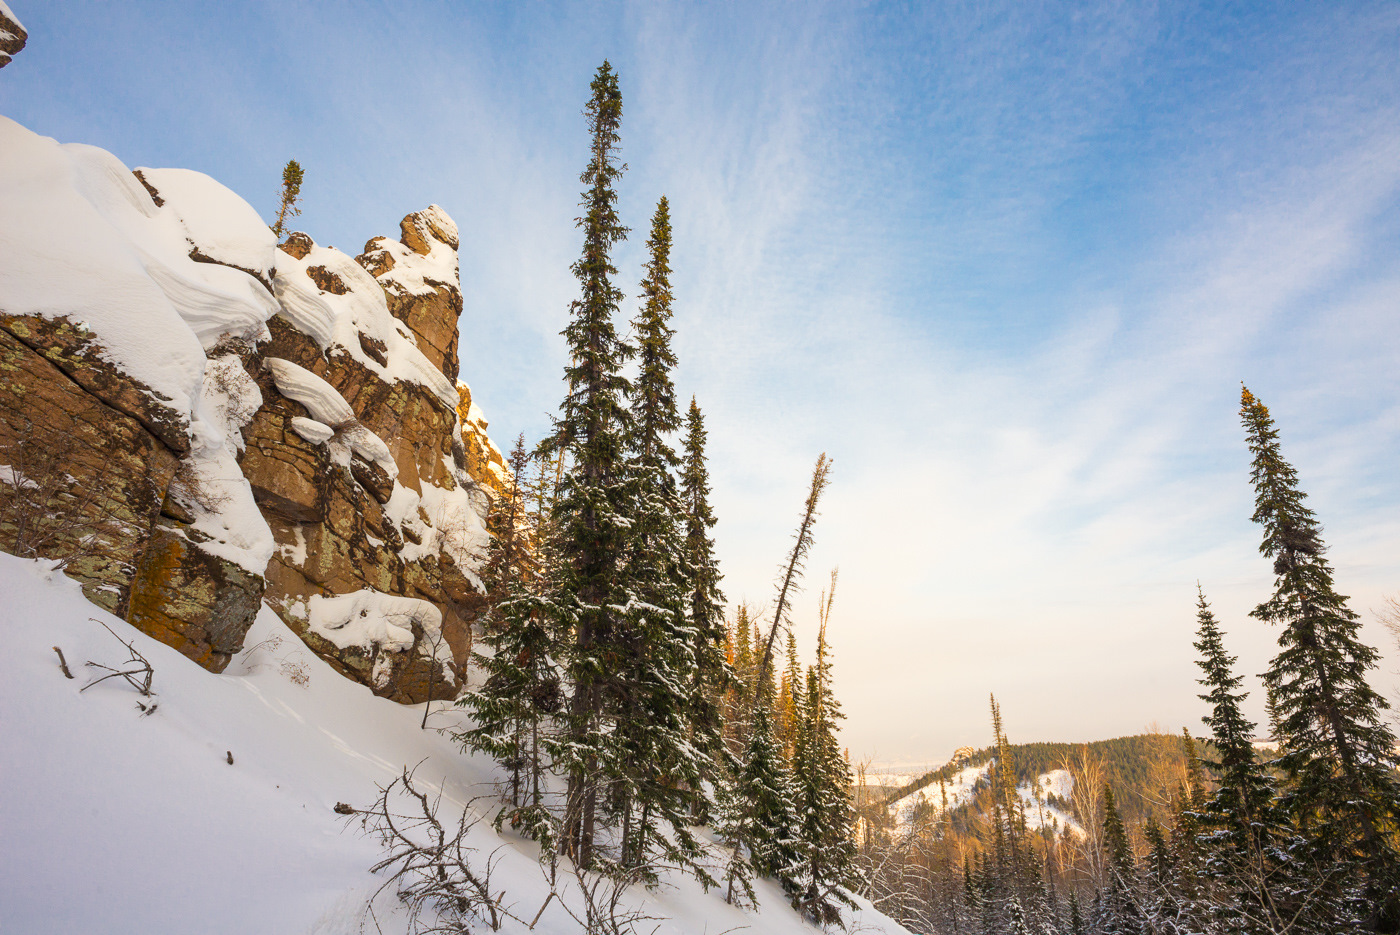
pixel 113 821
pixel 1039 812
pixel 963 787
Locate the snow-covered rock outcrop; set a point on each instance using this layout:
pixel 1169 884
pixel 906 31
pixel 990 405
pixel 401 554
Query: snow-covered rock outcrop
pixel 12 35
pixel 230 422
pixel 358 458
pixel 108 393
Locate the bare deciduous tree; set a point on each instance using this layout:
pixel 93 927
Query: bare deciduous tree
pixel 1088 773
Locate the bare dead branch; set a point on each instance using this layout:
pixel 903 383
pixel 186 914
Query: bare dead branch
pixel 429 863
pixel 138 676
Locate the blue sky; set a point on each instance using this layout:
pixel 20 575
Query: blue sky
pixel 1006 262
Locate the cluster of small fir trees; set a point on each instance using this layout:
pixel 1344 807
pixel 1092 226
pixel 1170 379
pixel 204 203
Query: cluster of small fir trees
pixel 787 811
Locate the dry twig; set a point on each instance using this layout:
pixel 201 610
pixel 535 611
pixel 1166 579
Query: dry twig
pixel 429 862
pixel 138 676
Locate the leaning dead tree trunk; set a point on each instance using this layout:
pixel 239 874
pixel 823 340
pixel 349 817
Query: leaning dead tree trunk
pixel 792 572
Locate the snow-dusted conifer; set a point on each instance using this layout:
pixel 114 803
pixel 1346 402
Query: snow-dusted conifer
pixel 1076 916
pixel 589 513
pixel 1338 750
pixel 1016 918
pixel 1240 808
pixel 1120 912
pixel 825 812
pixel 663 769
pixel 754 814
pixel 788 703
pixel 521 689
pixel 713 672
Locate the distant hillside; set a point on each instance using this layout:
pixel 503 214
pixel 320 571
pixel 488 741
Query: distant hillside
pixel 1137 767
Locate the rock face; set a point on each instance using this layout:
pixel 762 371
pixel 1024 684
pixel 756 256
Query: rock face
pixel 356 457
pixel 117 440
pixel 83 481
pixel 12 36
pixel 419 276
pixel 485 463
pixel 252 425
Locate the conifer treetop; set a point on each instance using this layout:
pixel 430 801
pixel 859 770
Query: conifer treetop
pixel 1278 503
pixel 655 394
pixel 1338 751
pixel 793 568
pixel 287 206
pixel 594 413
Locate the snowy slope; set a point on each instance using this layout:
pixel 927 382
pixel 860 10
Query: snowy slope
pixel 963 787
pixel 116 822
pixel 1057 782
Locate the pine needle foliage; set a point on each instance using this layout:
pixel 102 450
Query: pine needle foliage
pixel 288 202
pixel 521 691
pixel 592 527
pixel 1338 751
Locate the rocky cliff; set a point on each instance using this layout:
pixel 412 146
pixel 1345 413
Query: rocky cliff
pixel 12 35
pixel 196 420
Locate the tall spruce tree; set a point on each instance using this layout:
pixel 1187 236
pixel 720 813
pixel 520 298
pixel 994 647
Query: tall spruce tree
pixel 1338 751
pixel 663 770
pixel 589 513
pixel 713 673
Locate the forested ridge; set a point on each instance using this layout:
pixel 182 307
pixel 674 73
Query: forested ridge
pixel 1132 764
pixel 1162 834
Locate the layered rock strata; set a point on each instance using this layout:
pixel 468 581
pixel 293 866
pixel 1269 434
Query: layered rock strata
pixel 197 422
